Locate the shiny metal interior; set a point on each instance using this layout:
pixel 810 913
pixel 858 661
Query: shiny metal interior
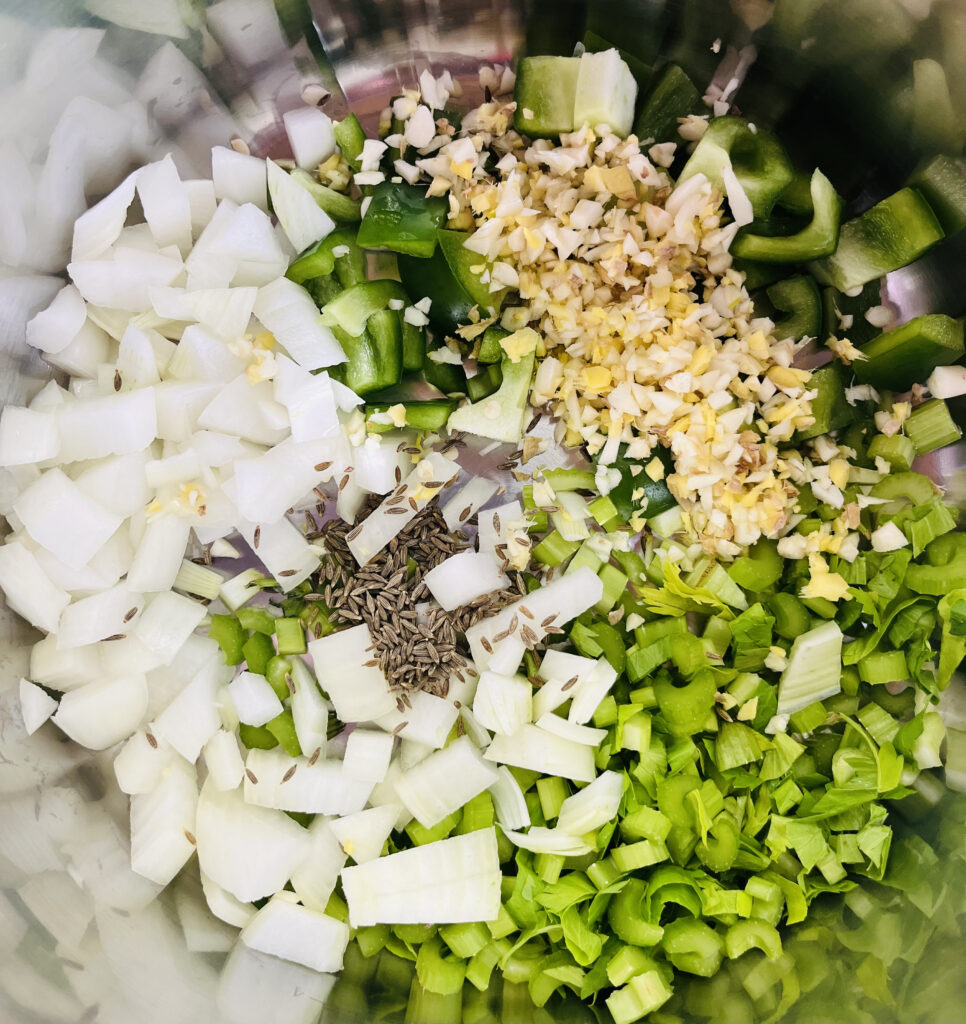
pixel 93 947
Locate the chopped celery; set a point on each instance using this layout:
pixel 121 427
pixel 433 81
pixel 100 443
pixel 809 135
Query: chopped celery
pixel 931 426
pixel 814 668
pixel 258 650
pixel 290 636
pixel 642 995
pixel 897 450
pixel 227 632
pixel 942 181
pixel 501 415
pixel 258 619
pixel 554 550
pixel 283 729
pixel 829 407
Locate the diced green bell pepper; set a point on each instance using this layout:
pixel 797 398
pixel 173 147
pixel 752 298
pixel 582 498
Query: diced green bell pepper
pixel 402 218
pixel 800 298
pixel 898 359
pixel 671 95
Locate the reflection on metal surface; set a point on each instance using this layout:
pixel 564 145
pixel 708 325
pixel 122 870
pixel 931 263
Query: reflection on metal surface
pixel 81 937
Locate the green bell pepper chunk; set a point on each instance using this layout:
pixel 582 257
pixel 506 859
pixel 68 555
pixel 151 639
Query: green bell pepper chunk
pixel 337 205
pixel 431 414
pixel 490 350
pixel 401 218
pixel 818 239
pixel 413 344
pixel 350 139
pixel 373 358
pixel 672 95
pixel 898 359
pixel 829 407
pixel 282 727
pixel 256 737
pixel 800 298
pixel 485 382
pixel 942 182
pixel 349 267
pixel 890 235
pixel 450 378
pixel 757 158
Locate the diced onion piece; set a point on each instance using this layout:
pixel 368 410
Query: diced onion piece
pixel 508 801
pixel 888 537
pixel 315 877
pixel 320 788
pixel 311 136
pixel 472 496
pixel 284 929
pixel 102 713
pixel 162 824
pixel 445 781
pixel 367 755
pixel 429 720
pixel 165 202
pixel 358 691
pixel 544 752
pixel 362 835
pixel 302 220
pixel 283 550
pixel 559 602
pixel 270 483
pixel 60 670
pixel 240 408
pixel 503 704
pixel 287 310
pixel 55 327
pixel 255 701
pixel 947 381
pixel 140 765
pixel 27 436
pixel 223 905
pixel 445 882
pixel 100 227
pixel 36 706
pixel 463 577
pixel 29 590
pixel 591 690
pixel 592 806
pixel 166 624
pixel 159 554
pixel 97 617
pixel 93 428
pixel 239 177
pixel 191 719
pixel 379 528
pixel 550 840
pixel 571 730
pixel 63 519
pixel 559 669
pixel 249 851
pixel 224 761
pixel 310 710
pixel 311 402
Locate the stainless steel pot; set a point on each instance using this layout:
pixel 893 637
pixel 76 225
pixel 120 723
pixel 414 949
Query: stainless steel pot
pixel 80 937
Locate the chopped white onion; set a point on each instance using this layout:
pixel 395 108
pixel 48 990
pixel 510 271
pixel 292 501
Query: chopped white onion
pixel 553 841
pixel 559 669
pixel 429 720
pixel 27 436
pixel 255 701
pixel 36 706
pixel 592 806
pixel 159 554
pixel 571 730
pixel 445 882
pixel 224 761
pixel 287 310
pixel 300 934
pixel 947 381
pixel 100 227
pixel 315 877
pixel 358 691
pixel 463 577
pixel 165 202
pixel 121 424
pixel 363 835
pixel 310 710
pixel 503 704
pixel 311 136
pixel 591 690
pixel 320 788
pixel 302 220
pixel 29 591
pixel 283 550
pixel 163 823
pixel 509 802
pixel 367 755
pixel 63 519
pixel 445 781
pixel 100 714
pixel 239 177
pixel 97 617
pixel 249 851
pixel 141 764
pixel 190 721
pixel 544 752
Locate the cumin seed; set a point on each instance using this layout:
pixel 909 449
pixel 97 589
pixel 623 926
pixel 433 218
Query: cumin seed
pixel 252 778
pixel 257 537
pixel 289 773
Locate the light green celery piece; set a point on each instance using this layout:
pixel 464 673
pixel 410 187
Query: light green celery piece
pixel 500 416
pixel 814 669
pixel 640 996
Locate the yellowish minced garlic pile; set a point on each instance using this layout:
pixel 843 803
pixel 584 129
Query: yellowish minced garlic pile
pixel 649 335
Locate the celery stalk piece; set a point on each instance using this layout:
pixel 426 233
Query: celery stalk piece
pixel 814 669
pixel 500 416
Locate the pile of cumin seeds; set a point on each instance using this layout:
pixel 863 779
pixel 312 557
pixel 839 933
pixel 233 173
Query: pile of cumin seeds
pixel 416 648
